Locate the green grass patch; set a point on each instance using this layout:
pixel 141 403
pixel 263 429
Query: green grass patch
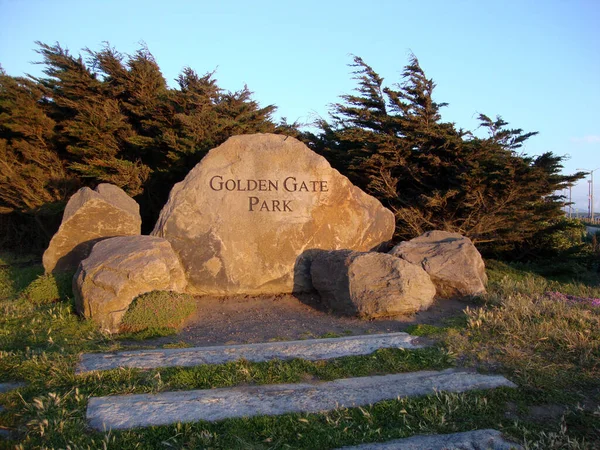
pixel 179 344
pixel 433 331
pixel 423 329
pixel 13 279
pixel 243 372
pixel 158 312
pixel 57 421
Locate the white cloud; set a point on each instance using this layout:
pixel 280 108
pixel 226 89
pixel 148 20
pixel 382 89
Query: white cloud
pixel 589 139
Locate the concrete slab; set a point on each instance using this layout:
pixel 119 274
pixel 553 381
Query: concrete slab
pixel 5 434
pixel 9 386
pixel 469 440
pixel 130 411
pixel 311 349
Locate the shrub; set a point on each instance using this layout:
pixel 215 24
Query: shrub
pixel 158 310
pixel 49 288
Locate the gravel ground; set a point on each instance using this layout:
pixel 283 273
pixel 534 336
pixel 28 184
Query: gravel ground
pixel 250 319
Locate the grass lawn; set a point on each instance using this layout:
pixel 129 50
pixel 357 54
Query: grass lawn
pixel 542 334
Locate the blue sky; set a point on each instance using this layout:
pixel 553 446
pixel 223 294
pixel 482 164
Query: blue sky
pixel 535 63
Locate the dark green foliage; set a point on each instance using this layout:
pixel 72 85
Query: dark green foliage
pixel 560 246
pixel 392 142
pixel 110 118
pixel 31 173
pixel 29 233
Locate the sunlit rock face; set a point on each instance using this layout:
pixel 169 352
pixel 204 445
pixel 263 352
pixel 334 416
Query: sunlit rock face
pixel 89 217
pixel 451 260
pixel 246 217
pixel 370 284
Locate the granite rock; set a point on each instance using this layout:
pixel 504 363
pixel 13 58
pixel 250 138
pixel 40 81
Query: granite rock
pixel 89 217
pixel 243 218
pixel 451 260
pixel 370 284
pixel 118 270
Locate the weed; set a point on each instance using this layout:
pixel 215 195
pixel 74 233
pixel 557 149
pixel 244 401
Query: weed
pixel 553 440
pixel 330 334
pixel 179 344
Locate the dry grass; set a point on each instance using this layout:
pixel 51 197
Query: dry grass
pixel 544 341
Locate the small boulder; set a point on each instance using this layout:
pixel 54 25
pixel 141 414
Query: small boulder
pixel 90 216
pixel 118 270
pixel 370 284
pixel 451 260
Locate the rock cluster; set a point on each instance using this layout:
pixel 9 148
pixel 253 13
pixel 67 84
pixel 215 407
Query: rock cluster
pixel 436 264
pixel 259 214
pixel 451 260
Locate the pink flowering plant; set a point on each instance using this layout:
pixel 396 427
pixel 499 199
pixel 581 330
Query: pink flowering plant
pixel 573 299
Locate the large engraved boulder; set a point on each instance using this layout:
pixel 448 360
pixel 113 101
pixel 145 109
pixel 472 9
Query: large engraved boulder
pixel 243 217
pixel 90 216
pixel 118 270
pixel 451 260
pixel 370 284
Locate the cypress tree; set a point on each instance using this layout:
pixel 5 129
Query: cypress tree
pixel 393 143
pixel 112 118
pixel 31 173
pixel 91 126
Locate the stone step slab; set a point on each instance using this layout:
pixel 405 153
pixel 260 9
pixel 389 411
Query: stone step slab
pixel 5 434
pixel 310 349
pixel 131 411
pixel 4 388
pixel 469 440
pixel 10 386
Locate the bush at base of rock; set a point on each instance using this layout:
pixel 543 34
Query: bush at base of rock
pixel 451 260
pixel 370 284
pixel 158 310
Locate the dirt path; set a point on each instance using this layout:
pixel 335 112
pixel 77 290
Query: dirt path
pixel 246 319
